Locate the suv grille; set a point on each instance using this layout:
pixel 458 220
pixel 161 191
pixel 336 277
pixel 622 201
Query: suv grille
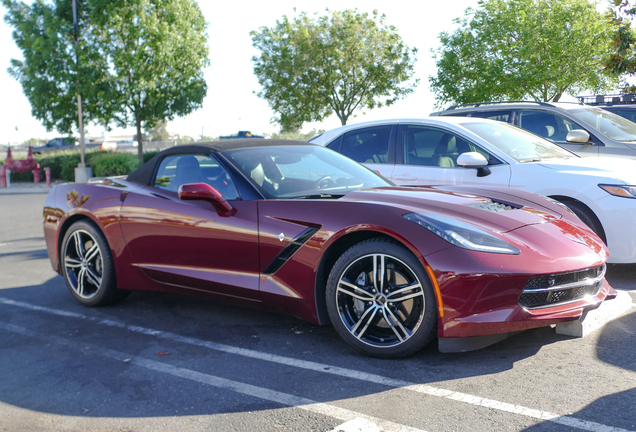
pixel 560 288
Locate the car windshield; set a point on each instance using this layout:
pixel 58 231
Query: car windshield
pixel 302 171
pixel 518 144
pixel 609 124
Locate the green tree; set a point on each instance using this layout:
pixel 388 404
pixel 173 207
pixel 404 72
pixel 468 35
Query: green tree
pixel 335 63
pixel 140 61
pixel 33 142
pixel 514 50
pixel 297 135
pixel 50 76
pixel 157 50
pixel 621 62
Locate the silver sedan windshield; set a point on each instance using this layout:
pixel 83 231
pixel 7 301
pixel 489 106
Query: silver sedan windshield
pixel 518 144
pixel 609 124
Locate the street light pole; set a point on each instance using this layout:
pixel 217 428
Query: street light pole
pixel 80 116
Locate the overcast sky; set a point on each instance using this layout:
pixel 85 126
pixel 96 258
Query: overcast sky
pixel 230 103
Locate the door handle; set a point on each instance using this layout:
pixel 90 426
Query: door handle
pixel 405 177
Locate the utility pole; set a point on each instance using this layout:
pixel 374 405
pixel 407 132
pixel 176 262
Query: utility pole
pixel 81 173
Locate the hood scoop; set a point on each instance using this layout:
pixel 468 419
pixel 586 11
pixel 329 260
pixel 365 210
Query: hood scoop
pixel 494 206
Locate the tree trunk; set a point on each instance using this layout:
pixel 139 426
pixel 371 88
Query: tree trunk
pixel 140 144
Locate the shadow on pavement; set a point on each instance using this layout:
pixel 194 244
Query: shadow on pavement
pixel 36 373
pixel 618 408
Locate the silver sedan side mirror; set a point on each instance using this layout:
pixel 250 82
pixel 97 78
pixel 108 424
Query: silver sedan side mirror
pixel 578 136
pixel 471 159
pixel 474 160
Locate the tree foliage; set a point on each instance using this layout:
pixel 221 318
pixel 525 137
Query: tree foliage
pixel 336 63
pixel 140 61
pixel 514 50
pixel 50 76
pixel 621 61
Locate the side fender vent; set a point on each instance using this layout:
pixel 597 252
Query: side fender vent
pixel 289 250
pixel 495 206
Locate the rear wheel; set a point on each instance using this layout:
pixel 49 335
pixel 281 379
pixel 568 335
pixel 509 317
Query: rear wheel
pixel 87 266
pixel 380 300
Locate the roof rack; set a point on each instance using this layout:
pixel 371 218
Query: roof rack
pixel 474 105
pixel 613 99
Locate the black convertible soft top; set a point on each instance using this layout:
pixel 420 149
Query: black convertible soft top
pixel 143 175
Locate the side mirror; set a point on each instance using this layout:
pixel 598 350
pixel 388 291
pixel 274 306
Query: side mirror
pixel 578 136
pixel 204 192
pixel 474 160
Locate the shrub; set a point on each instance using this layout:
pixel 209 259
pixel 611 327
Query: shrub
pixel 63 164
pixel 149 155
pixel 113 164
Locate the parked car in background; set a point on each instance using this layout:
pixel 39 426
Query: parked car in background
pixel 486 153
pixel 303 230
pixel 118 145
pixel 584 130
pixel 62 143
pixel 622 104
pixel 242 134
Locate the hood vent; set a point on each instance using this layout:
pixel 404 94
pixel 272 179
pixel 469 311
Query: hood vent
pixel 494 206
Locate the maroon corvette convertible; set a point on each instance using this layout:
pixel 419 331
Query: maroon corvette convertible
pixel 303 230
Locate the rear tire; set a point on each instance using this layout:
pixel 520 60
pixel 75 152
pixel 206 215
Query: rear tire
pixel 87 266
pixel 380 300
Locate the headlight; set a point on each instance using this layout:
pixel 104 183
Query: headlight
pixel 619 190
pixel 462 234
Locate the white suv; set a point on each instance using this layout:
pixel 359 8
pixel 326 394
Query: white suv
pixel 471 151
pixel 583 129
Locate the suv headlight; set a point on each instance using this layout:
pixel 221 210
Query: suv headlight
pixel 461 234
pixel 619 190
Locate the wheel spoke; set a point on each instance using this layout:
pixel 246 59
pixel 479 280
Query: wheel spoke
pixel 354 291
pixel 393 319
pixel 404 297
pixel 93 278
pixel 373 310
pixel 378 277
pixel 71 262
pixel 92 252
pixel 404 289
pixel 80 281
pixel 79 247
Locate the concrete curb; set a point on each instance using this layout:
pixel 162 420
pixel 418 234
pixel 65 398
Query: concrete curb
pixel 597 318
pixel 26 188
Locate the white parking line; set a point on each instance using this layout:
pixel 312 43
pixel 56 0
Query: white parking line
pixel 215 381
pixel 335 370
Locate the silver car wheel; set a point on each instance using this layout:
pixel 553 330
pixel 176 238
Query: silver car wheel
pixel 83 264
pixel 380 300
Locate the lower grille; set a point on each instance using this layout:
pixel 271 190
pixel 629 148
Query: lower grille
pixel 561 288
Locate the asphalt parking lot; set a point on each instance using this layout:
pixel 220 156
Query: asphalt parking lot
pixel 161 363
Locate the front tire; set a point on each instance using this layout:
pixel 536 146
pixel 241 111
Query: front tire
pixel 87 266
pixel 380 300
pixel 587 216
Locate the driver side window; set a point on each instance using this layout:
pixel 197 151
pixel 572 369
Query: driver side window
pixel 550 126
pixel 177 170
pixel 429 146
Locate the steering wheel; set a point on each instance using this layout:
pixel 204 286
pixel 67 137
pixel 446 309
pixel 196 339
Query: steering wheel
pixel 325 182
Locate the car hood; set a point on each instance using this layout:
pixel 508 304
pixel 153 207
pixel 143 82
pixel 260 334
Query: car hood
pixel 623 170
pixel 490 210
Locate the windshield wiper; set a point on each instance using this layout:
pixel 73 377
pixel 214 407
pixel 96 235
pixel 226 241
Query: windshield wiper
pixel 531 159
pixel 319 196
